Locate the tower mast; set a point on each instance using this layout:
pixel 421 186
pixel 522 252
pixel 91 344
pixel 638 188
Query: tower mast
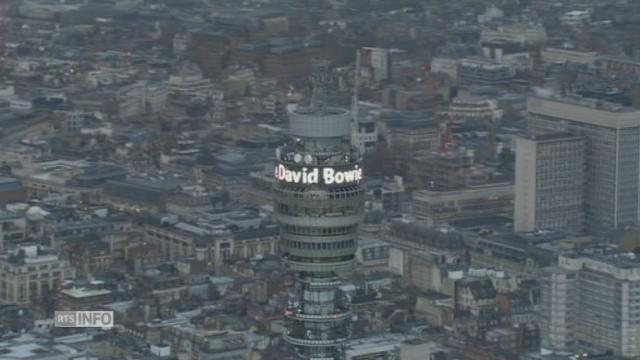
pixel 319 205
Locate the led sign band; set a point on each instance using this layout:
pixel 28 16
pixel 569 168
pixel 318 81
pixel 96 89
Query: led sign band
pixel 313 175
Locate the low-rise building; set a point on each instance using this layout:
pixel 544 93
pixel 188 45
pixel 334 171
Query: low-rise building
pixel 11 190
pixel 563 56
pixel 372 253
pixel 482 201
pixel 31 272
pixel 482 72
pixel 385 347
pixel 13 230
pixel 576 18
pixel 412 135
pixel 213 240
pixel 477 108
pixel 136 195
pixel 519 34
pixel 79 299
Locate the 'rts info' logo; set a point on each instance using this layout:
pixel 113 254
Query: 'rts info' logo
pixel 99 319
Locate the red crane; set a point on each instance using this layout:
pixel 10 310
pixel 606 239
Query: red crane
pixel 3 39
pixel 446 138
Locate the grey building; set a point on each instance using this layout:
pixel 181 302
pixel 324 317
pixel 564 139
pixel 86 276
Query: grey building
pixel 557 316
pixel 549 183
pixel 11 190
pixel 475 202
pixel 138 193
pixel 30 272
pixel 612 155
pixel 13 229
pixel 482 72
pixel 590 303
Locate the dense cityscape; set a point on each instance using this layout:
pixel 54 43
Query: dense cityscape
pixel 319 179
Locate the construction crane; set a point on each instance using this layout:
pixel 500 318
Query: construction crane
pixel 356 86
pixel 446 135
pixel 3 34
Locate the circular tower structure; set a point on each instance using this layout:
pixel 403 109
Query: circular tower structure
pixel 319 205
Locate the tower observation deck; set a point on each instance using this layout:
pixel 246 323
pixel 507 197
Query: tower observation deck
pixel 319 205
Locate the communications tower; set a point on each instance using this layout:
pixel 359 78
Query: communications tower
pixel 319 205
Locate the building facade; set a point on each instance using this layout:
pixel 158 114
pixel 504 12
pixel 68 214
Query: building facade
pixel 364 134
pixel 478 108
pixel 13 229
pixel 589 303
pixel 557 317
pixel 549 189
pixel 30 273
pixel 482 72
pixel 470 203
pixel 612 157
pixel 524 35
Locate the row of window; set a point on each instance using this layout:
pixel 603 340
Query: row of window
pixel 43 267
pixel 45 275
pixel 159 235
pixel 35 289
pixel 335 193
pixel 291 210
pixel 292 244
pixel 319 231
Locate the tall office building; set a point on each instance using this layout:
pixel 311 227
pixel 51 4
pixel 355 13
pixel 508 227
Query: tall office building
pixel 612 155
pixel 558 290
pixel 319 205
pixel 549 189
pixel 590 303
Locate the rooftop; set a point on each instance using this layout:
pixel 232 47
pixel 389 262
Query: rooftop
pixel 79 293
pixel 551 137
pixel 584 110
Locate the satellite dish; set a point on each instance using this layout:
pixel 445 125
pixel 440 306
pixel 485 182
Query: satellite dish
pixel 308 159
pixel 297 158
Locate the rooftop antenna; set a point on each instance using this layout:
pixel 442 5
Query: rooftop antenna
pixel 320 79
pixel 356 87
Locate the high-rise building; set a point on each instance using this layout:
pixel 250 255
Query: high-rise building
pixel 557 316
pixel 549 189
pixel 319 205
pixel 589 304
pixel 612 155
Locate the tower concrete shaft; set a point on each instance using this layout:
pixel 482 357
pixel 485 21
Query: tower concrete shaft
pixel 319 205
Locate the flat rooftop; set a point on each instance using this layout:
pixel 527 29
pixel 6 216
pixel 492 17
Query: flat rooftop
pixel 550 137
pixel 584 110
pixel 80 293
